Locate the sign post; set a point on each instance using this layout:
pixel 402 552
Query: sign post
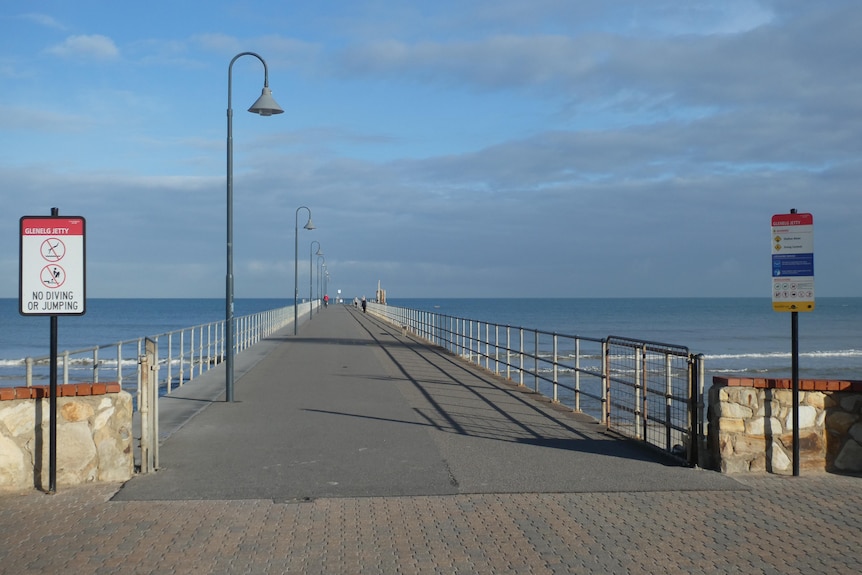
pixel 793 289
pixel 52 282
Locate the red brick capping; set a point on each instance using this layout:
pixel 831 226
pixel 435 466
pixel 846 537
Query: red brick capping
pixel 852 385
pixel 63 390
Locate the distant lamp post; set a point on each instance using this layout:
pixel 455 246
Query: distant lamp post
pixel 309 226
pixel 320 267
pixel 265 106
pixel 311 274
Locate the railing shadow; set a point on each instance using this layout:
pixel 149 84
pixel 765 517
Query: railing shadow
pixel 584 434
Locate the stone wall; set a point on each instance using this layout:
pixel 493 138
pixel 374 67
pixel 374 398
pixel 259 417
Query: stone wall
pixel 751 425
pixel 94 435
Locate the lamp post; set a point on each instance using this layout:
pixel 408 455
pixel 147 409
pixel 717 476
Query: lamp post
pixel 320 266
pixel 265 106
pixel 308 226
pixel 311 274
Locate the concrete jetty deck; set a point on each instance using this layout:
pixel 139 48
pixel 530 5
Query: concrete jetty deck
pixel 352 448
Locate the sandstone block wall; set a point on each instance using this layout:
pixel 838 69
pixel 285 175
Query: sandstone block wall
pixel 94 435
pixel 751 425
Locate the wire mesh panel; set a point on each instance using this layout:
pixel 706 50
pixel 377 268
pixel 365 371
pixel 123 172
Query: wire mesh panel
pixel 649 392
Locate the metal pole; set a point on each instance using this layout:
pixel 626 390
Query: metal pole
pixel 320 270
pixel 695 418
pixel 229 335
pixel 308 226
pixel 794 369
pixel 794 321
pixel 296 272
pixel 229 277
pixel 311 276
pixel 52 452
pixel 52 402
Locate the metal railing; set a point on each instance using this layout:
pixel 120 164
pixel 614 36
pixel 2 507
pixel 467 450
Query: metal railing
pixel 645 390
pixel 181 355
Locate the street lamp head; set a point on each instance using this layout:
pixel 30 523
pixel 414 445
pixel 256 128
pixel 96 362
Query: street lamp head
pixel 310 225
pixel 266 105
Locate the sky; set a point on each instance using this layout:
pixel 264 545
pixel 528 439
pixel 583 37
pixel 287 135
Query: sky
pixel 454 148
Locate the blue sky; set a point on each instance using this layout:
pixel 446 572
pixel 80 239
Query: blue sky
pixel 464 148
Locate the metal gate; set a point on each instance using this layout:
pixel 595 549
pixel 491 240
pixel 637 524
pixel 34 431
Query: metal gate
pixel 653 394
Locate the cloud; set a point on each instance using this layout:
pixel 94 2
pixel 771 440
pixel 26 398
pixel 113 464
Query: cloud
pixel 222 43
pixel 806 62
pixel 44 20
pixel 86 47
pixel 490 63
pixel 33 119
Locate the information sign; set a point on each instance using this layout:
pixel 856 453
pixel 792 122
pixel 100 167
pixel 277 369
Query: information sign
pixel 793 262
pixel 52 266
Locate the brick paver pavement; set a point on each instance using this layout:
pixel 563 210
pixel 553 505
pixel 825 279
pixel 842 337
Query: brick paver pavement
pixel 810 524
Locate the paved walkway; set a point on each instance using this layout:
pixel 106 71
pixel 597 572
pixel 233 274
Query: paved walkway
pixel 354 449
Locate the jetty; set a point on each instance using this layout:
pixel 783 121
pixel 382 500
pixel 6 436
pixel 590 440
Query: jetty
pixel 354 447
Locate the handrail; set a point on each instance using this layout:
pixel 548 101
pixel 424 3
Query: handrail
pixel 183 354
pixel 646 390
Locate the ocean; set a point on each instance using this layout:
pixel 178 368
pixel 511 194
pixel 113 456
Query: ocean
pixel 738 336
pixel 106 321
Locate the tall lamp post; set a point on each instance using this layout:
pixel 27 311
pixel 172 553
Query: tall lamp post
pixel 311 274
pixel 265 106
pixel 308 226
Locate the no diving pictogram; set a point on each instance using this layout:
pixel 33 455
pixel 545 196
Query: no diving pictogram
pixel 53 249
pixel 52 276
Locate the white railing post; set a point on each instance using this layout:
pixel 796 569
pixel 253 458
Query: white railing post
pixel 536 362
pixel 668 381
pixel 182 358
pixel 139 375
pixel 508 352
pixel 521 356
pixel 209 346
pixel 556 363
pixel 606 383
pixel 169 376
pixel 487 344
pixel 496 349
pixel 577 374
pixel 120 364
pixel 638 398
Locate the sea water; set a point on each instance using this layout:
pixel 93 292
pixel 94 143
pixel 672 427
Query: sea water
pixel 737 336
pixel 106 321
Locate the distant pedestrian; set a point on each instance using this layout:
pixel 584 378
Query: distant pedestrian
pixel 325 300
pixel 364 303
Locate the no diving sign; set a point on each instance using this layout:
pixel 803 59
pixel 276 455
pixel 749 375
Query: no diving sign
pixel 52 266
